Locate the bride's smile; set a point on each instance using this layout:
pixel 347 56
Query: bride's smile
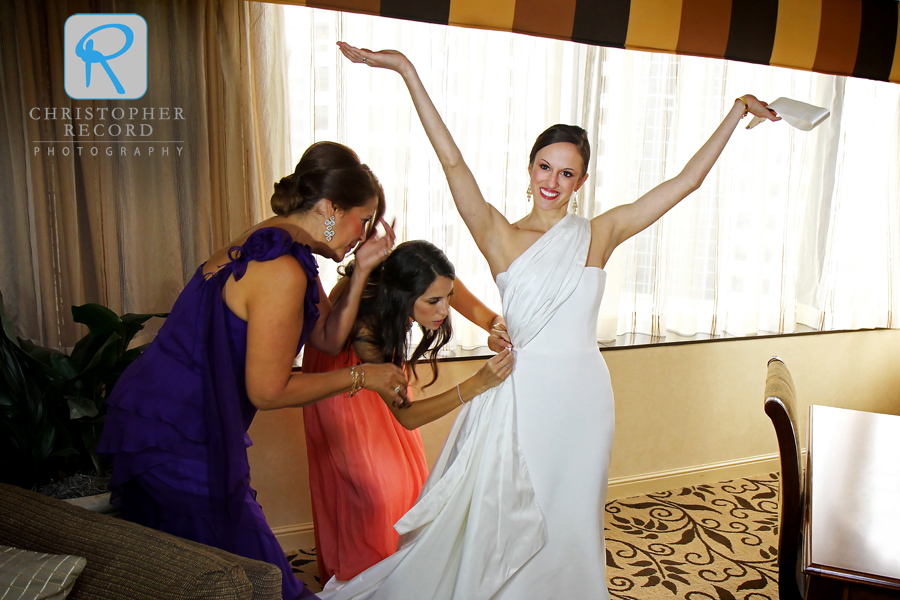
pixel 556 173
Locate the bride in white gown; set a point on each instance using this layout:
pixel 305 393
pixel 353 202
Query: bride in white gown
pixel 513 506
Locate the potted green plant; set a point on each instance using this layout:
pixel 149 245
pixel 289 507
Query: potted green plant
pixel 52 404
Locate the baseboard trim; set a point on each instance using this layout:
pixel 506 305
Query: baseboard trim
pixel 660 481
pixel 295 537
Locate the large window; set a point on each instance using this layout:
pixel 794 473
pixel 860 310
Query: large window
pixel 791 230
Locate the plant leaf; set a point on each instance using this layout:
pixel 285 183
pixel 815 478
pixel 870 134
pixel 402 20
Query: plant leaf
pixel 100 320
pixel 44 439
pixel 63 366
pixel 11 369
pixel 6 325
pixel 81 351
pixel 140 319
pixel 65 452
pixel 134 323
pixel 105 356
pixel 129 357
pixel 7 402
pixel 79 407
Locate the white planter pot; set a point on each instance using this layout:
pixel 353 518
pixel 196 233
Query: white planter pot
pixel 99 503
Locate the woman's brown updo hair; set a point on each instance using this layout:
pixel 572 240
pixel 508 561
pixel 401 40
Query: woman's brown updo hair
pixel 564 133
pixel 328 170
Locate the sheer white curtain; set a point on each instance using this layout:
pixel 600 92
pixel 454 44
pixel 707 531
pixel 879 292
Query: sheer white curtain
pixel 790 227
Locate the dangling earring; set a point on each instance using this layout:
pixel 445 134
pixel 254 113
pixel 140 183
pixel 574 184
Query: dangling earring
pixel 575 202
pixel 329 228
pixel 528 193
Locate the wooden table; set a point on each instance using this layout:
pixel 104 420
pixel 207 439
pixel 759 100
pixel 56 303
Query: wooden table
pixel 851 534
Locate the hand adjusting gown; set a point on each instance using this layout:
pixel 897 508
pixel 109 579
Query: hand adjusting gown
pixel 513 507
pixel 178 417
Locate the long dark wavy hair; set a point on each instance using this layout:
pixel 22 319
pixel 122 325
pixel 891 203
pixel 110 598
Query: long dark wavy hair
pixel 387 302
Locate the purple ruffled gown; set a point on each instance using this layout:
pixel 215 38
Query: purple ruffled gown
pixel 178 418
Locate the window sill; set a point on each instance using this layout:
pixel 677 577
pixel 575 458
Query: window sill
pixel 632 340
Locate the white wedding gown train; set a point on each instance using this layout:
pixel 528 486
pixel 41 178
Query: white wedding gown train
pixel 513 507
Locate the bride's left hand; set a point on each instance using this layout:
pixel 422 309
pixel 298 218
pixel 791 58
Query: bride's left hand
pixel 757 108
pixel 384 59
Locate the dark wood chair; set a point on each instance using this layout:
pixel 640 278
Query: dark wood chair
pixel 781 406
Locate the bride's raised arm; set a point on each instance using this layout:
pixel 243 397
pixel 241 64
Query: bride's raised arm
pixel 489 228
pixel 620 223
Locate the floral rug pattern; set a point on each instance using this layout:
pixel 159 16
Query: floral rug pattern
pixel 707 542
pixel 714 542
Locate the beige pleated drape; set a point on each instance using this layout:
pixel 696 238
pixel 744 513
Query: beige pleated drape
pixel 128 231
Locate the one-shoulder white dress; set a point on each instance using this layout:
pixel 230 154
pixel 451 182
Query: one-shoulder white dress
pixel 513 507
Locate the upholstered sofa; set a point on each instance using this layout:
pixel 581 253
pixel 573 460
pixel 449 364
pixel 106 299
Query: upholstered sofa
pixel 125 560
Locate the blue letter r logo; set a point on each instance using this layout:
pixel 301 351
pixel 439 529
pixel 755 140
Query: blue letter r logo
pixel 117 42
pixel 91 56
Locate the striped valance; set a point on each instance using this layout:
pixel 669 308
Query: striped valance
pixel 842 37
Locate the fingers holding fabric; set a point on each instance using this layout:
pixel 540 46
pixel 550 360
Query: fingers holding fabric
pixel 497 368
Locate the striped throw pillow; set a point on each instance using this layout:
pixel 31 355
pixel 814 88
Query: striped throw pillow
pixel 29 575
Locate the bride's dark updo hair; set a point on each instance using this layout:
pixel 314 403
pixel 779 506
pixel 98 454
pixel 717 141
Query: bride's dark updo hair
pixel 564 133
pixel 328 170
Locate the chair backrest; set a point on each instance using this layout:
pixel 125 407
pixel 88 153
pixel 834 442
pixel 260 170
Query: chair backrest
pixel 781 406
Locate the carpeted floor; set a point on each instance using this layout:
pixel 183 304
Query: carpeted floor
pixel 714 542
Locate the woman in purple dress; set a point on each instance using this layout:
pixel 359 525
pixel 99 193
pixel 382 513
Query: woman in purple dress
pixel 178 416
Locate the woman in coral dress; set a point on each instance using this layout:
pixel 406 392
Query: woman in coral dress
pixel 366 465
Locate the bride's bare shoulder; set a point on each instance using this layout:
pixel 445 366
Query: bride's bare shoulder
pixel 525 233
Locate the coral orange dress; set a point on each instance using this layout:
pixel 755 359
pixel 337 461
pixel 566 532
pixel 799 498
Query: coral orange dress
pixel 365 471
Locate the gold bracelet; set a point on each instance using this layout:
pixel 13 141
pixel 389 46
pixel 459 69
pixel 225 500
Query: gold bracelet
pixel 354 381
pixel 461 401
pixel 746 106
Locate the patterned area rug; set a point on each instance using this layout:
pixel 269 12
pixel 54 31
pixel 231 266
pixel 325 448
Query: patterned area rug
pixel 715 542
